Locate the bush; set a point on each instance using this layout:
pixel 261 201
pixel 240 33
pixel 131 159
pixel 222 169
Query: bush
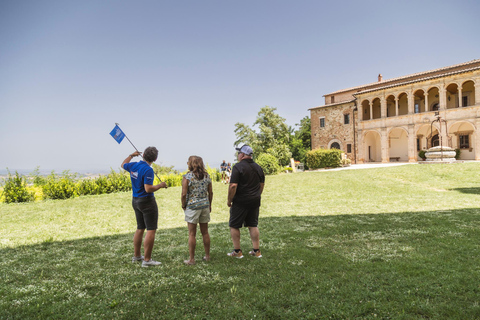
pixel 214 174
pixel 421 154
pixel 346 162
pixel 324 158
pixel 457 154
pixel 60 187
pixel 268 163
pixel 15 189
pixel 172 180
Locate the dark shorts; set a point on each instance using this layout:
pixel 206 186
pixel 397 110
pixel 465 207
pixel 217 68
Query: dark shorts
pixel 146 212
pixel 243 215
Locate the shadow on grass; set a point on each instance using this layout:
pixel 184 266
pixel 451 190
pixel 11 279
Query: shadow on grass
pixel 468 190
pixel 404 265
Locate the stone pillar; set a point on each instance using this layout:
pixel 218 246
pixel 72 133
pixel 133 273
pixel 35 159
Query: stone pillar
pixel 411 103
pixel 361 156
pixel 442 94
pixel 383 107
pixel 460 97
pixel 477 139
pixel 477 91
pixel 384 143
pixel 396 106
pixel 426 101
pixel 412 154
pixel 371 109
pixel 360 113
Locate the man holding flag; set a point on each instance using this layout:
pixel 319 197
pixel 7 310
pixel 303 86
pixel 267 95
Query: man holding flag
pixel 143 202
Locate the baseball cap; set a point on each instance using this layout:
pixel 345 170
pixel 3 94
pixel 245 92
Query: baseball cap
pixel 246 149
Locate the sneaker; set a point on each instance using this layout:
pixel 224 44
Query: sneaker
pixel 150 263
pixel 238 255
pixel 135 259
pixel 257 254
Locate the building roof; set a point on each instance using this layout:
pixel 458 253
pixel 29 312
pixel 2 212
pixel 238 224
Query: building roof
pixel 415 77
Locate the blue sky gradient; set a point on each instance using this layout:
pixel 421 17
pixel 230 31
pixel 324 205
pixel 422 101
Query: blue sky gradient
pixel 179 74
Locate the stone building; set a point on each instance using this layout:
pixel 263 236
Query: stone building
pixel 392 120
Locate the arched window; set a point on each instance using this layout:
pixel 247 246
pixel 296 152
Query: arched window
pixel 435 141
pixel 335 145
pixel 435 107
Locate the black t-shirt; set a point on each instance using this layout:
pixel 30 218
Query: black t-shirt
pixel 248 175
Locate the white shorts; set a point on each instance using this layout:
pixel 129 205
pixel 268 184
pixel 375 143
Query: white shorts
pixel 197 215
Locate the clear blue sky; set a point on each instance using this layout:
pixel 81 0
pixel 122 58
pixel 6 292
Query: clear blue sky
pixel 179 74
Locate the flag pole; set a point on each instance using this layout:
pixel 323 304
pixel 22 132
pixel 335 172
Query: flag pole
pixel 137 150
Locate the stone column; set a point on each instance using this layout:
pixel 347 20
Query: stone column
pixel 383 107
pixel 460 97
pixel 396 106
pixel 371 109
pixel 411 102
pixel 477 91
pixel 384 143
pixel 412 154
pixel 361 156
pixel 477 139
pixel 426 101
pixel 442 93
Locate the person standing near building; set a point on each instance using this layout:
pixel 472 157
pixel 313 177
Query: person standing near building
pixel 144 203
pixel 244 196
pixel 223 171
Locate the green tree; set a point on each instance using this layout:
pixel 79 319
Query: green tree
pixel 273 135
pixel 301 140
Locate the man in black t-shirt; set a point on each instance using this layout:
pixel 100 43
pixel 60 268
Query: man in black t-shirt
pixel 244 195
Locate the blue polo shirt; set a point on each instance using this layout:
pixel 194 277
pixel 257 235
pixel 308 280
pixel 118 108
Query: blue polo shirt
pixel 140 174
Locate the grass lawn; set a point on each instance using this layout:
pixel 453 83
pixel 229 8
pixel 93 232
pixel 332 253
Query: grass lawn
pixel 382 243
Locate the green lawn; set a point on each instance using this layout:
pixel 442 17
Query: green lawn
pixel 386 243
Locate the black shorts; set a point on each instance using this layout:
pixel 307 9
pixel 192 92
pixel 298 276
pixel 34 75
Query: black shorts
pixel 146 212
pixel 243 215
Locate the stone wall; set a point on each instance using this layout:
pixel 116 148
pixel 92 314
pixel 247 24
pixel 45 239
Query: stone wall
pixel 335 130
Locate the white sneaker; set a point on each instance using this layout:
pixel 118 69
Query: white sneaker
pixel 150 263
pixel 135 259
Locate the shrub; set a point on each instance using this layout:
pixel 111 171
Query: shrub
pixel 421 154
pixel 346 162
pixel 323 158
pixel 268 163
pixel 60 187
pixel 15 189
pixel 172 180
pixel 457 154
pixel 214 174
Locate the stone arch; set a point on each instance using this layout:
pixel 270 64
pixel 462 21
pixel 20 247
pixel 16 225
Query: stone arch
pixel 332 144
pixel 376 108
pixel 433 98
pixel 468 93
pixel 391 106
pixel 451 92
pixel 398 143
pixel 462 134
pixel 402 103
pixel 365 105
pixel 419 101
pixel 373 146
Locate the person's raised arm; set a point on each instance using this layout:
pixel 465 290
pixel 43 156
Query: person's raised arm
pixel 130 157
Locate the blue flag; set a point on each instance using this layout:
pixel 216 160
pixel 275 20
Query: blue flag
pixel 117 134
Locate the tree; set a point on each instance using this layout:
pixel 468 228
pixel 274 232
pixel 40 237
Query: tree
pixel 301 140
pixel 273 136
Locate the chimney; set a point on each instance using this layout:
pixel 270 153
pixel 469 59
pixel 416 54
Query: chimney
pixel 380 78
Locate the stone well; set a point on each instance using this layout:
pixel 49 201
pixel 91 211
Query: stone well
pixel 440 154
